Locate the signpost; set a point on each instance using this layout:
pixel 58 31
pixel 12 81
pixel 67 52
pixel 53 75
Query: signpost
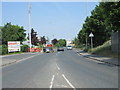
pixel 91 35
pixel 13 46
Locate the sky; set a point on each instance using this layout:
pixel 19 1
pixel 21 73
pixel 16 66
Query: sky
pixel 51 19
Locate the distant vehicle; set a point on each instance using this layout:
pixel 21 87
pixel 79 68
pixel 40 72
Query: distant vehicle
pixel 60 49
pixel 47 50
pixel 69 47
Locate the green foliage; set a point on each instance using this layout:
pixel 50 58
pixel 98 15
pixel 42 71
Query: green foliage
pixel 61 42
pixel 0 49
pixel 106 46
pixel 43 40
pixel 34 38
pixel 12 33
pixel 76 42
pixel 103 21
pixel 4 49
pixel 54 41
pixel 24 48
pixel 40 46
pixel 105 50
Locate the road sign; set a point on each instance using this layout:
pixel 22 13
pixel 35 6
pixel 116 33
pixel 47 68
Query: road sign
pixel 91 35
pixel 13 46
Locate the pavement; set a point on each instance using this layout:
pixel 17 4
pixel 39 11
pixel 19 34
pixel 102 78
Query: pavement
pixel 109 60
pixel 64 69
pixel 10 59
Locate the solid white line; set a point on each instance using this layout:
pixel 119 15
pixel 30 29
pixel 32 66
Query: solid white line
pixel 20 60
pixel 51 83
pixel 57 67
pixel 27 58
pixel 15 54
pixel 78 54
pixel 68 81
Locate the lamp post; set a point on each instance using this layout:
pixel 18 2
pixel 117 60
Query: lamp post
pixel 29 23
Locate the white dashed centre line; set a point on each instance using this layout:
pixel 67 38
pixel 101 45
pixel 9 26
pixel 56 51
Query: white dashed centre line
pixel 68 81
pixel 57 67
pixel 51 83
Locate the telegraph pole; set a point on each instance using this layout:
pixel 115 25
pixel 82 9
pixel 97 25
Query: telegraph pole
pixel 29 22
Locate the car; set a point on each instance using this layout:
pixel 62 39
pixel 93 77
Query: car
pixel 69 47
pixel 47 50
pixel 60 49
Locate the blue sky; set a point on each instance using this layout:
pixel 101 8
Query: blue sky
pixel 61 19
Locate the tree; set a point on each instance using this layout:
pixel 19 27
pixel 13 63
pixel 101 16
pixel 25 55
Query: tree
pixel 61 42
pixel 1 36
pixel 34 38
pixel 54 41
pixel 43 40
pixel 103 20
pixel 12 33
pixel 76 41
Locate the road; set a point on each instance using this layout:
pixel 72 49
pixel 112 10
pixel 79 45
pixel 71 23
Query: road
pixel 59 70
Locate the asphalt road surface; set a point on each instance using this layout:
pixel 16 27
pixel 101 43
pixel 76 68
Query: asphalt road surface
pixel 64 69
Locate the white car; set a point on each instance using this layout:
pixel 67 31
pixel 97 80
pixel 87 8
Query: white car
pixel 69 47
pixel 47 50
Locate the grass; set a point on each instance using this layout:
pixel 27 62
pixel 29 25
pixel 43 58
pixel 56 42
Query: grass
pixel 14 53
pixel 105 50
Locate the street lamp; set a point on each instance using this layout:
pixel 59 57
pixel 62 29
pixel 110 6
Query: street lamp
pixel 29 23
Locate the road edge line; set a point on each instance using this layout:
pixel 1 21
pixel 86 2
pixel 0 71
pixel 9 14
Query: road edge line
pixel 18 60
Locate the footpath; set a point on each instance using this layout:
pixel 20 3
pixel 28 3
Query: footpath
pixel 9 59
pixel 108 60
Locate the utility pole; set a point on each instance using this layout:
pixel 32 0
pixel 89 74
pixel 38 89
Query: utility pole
pixel 86 31
pixel 29 22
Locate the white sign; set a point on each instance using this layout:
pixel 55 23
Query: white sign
pixel 91 35
pixel 13 46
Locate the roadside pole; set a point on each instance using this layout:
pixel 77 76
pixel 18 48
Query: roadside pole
pixel 91 43
pixel 29 23
pixel 91 36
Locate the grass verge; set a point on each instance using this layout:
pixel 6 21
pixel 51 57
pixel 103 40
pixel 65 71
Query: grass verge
pixel 104 50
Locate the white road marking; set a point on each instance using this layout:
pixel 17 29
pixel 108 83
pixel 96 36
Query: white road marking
pixel 57 67
pixel 15 54
pixel 19 60
pixel 61 86
pixel 51 83
pixel 27 58
pixel 78 54
pixel 68 81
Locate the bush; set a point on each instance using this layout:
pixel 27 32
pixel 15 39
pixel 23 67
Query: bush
pixel 0 49
pixel 24 48
pixel 103 48
pixel 4 50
